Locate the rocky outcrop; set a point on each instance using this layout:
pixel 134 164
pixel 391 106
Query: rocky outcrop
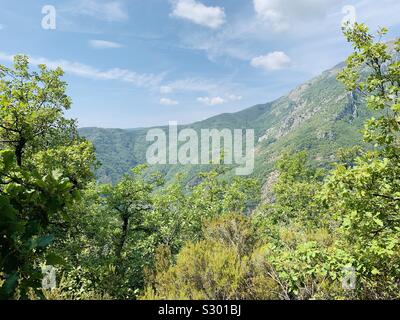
pixel 350 111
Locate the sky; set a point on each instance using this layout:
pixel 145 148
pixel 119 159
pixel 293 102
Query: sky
pixel 142 63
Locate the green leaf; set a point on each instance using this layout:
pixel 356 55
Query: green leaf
pixel 396 107
pixel 10 284
pixel 375 271
pixel 378 222
pixel 8 158
pixel 43 242
pixel 53 259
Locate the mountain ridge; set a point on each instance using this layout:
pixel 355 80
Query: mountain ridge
pixel 318 116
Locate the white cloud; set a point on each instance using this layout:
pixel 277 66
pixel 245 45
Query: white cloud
pixel 272 61
pixel 223 43
pixel 166 89
pixel 190 85
pixel 214 91
pixel 280 14
pixel 196 12
pixel 211 101
pixel 168 102
pixel 1 27
pixel 86 71
pixel 233 97
pixel 110 11
pixel 102 44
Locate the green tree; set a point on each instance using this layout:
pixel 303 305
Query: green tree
pixel 43 166
pixel 294 193
pixel 365 197
pixel 299 252
pixel 222 266
pixel 31 111
pixel 128 204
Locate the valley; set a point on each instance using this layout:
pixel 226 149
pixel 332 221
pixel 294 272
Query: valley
pixel 318 116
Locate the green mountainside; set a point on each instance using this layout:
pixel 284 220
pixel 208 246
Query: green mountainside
pixel 318 116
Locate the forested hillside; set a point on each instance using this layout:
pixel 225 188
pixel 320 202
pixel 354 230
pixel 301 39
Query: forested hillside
pixel 319 116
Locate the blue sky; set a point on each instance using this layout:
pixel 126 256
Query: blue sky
pixel 137 63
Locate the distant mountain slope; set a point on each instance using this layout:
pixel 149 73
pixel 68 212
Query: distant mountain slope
pixel 319 116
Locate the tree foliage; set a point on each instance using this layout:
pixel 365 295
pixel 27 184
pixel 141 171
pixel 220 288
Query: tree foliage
pixel 43 166
pixel 147 238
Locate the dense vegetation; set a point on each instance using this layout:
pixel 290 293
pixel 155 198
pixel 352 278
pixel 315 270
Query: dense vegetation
pixel 325 234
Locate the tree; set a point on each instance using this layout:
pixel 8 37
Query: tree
pixel 131 202
pixel 222 266
pixel 131 199
pixel 31 112
pixel 365 197
pixel 43 166
pixel 214 196
pixel 299 252
pixel 294 192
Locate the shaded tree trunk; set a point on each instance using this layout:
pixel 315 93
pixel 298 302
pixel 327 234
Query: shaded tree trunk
pixel 19 151
pixel 124 235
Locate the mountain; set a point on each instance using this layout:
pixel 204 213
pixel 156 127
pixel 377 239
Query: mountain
pixel 318 116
